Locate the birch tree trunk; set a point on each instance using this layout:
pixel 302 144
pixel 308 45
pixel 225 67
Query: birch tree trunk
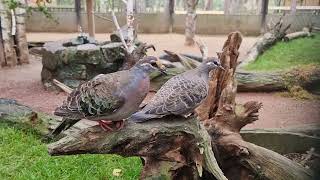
pixel 264 12
pixel 190 22
pixel 20 37
pixel 91 25
pixel 169 10
pixel 8 41
pixel 293 6
pixel 208 5
pixel 2 60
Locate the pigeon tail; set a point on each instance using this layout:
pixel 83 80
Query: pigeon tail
pixel 64 125
pixel 61 111
pixel 140 117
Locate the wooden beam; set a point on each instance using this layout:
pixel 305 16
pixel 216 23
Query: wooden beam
pixel 91 25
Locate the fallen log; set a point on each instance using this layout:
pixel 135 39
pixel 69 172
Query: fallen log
pixel 274 34
pixel 305 77
pixel 296 35
pixel 250 81
pixel 304 33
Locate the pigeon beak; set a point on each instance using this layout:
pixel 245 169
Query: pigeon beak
pixel 161 67
pixel 222 68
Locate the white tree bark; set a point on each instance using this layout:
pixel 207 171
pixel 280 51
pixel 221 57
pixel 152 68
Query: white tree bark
pixel 20 37
pixel 169 10
pixel 293 6
pixel 130 23
pixel 191 16
pixel 8 41
pixel 208 5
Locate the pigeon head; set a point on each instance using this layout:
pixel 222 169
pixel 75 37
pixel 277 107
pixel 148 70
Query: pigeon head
pixel 212 63
pixel 150 64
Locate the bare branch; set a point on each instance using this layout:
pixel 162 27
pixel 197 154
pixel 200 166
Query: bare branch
pixel 115 21
pixel 104 18
pixel 203 49
pixel 62 86
pixel 124 1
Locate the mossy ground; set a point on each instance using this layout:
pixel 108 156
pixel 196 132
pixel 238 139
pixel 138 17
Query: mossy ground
pixel 286 55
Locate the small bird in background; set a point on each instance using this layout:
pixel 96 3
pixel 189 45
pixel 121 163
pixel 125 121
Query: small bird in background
pixel 180 95
pixel 108 98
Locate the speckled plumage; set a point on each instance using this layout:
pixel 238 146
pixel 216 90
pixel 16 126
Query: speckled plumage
pixel 180 95
pixel 111 97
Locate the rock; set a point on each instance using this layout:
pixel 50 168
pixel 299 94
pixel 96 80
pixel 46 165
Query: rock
pixel 112 52
pixel 22 117
pixel 72 71
pixel 10 107
pixel 72 62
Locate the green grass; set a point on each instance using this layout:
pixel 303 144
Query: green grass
pixel 284 55
pixel 23 156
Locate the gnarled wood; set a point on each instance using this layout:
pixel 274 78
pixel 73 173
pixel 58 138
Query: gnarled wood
pixel 178 148
pixel 169 140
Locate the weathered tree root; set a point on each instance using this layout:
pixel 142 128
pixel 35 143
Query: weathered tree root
pixel 175 144
pixel 176 148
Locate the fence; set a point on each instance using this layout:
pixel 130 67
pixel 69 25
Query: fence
pixel 158 23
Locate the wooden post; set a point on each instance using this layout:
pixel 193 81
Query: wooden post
pixel 91 25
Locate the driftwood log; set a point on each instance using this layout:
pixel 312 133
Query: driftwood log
pixel 251 81
pixel 305 77
pixel 178 148
pixel 274 34
pixel 306 32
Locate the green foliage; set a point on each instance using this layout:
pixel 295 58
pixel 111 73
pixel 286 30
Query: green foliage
pixel 41 7
pixel 12 4
pixel 285 55
pixel 23 156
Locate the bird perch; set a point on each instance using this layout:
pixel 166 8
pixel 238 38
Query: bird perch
pixel 178 148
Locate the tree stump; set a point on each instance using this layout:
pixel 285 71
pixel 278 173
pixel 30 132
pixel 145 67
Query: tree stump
pixel 179 148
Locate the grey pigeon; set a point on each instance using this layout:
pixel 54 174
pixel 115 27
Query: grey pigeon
pixel 108 97
pixel 180 95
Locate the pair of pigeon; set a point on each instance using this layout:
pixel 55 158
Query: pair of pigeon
pixel 111 98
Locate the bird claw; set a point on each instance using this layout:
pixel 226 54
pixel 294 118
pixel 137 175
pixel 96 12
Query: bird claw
pixel 150 46
pixel 106 125
pixel 119 124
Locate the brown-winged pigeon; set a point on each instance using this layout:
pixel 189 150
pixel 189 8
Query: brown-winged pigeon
pixel 180 95
pixel 108 97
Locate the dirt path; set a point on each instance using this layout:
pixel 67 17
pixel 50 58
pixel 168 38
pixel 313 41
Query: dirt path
pixel 23 83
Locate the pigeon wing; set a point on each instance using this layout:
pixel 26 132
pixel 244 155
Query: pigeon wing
pixel 179 96
pixel 96 97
